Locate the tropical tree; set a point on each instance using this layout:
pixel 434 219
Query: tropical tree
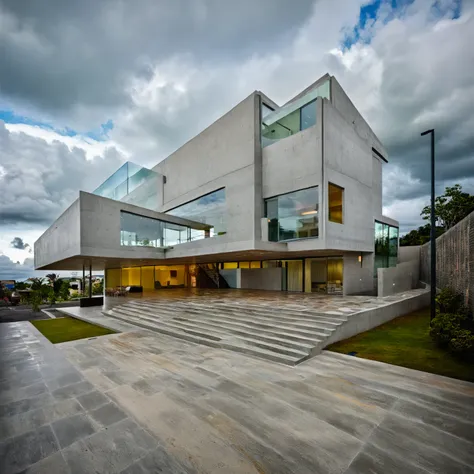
pixel 36 283
pixel 451 207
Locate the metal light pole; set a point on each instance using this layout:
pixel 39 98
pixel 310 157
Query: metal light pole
pixel 433 225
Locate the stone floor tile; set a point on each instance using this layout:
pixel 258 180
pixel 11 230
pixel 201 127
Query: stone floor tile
pixel 376 461
pixel 159 460
pixel 73 390
pixel 73 428
pixel 20 452
pixel 65 380
pixel 107 414
pixel 27 404
pixel 54 464
pixel 109 451
pixel 92 400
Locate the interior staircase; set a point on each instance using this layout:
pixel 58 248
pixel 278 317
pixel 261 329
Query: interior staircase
pixel 288 336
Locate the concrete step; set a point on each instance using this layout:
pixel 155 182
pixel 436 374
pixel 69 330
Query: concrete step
pixel 234 345
pixel 237 309
pixel 198 330
pixel 246 323
pixel 264 336
pixel 237 327
pixel 321 326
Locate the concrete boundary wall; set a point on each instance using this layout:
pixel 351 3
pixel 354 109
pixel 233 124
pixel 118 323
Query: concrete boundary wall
pixel 454 260
pixel 371 318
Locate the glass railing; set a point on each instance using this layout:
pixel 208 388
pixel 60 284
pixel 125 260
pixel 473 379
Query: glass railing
pixel 133 184
pixel 293 117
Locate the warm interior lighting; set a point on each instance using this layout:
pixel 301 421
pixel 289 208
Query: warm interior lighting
pixel 360 258
pixel 308 213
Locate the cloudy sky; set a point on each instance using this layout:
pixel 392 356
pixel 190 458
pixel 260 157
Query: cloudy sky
pixel 86 85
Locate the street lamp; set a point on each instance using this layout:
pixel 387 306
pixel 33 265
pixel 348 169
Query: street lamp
pixel 433 225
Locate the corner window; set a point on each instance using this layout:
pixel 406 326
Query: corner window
pixel 386 246
pixel 293 215
pixel 335 203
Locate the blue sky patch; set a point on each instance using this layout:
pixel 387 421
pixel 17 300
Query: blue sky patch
pixel 395 9
pixel 8 116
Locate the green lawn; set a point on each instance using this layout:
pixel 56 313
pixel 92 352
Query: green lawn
pixel 406 341
pixel 68 329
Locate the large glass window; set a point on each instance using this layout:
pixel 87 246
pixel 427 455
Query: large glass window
pixel 335 203
pixel 293 215
pixel 138 230
pixel 386 246
pixel 208 209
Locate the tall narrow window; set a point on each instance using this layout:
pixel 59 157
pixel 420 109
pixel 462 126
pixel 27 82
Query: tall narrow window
pixel 335 200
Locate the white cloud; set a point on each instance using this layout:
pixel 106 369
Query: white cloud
pixel 91 147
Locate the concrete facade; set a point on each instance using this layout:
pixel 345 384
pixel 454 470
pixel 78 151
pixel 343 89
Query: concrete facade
pixel 339 148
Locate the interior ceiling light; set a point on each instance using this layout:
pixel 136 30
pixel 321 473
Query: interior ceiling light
pixel 308 213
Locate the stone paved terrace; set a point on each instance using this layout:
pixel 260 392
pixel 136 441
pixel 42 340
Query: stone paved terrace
pixel 142 402
pixel 283 327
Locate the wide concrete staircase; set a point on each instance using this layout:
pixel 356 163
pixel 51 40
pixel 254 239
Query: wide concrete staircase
pixel 284 335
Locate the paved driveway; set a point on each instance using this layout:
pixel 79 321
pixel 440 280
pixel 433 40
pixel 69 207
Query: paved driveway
pixel 140 402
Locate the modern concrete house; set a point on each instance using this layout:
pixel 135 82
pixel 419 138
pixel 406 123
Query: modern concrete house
pixel 268 197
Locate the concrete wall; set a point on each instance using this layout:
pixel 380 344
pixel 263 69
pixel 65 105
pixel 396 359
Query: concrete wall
pixel 358 279
pixel 397 279
pixel 348 162
pixel 347 109
pixel 223 155
pixel 62 239
pixel 454 260
pixel 232 277
pixel 261 278
pixel 295 162
pixel 371 318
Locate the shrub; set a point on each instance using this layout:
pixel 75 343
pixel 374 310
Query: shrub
pixel 52 297
pixel 444 327
pixel 36 300
pixel 448 301
pixel 462 342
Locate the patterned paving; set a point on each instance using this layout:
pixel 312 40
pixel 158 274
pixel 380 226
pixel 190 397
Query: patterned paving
pixel 142 402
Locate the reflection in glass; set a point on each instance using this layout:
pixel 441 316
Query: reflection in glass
pixel 208 209
pixel 138 230
pixel 292 118
pixel 308 115
pixel 293 215
pixel 124 185
pixel 386 246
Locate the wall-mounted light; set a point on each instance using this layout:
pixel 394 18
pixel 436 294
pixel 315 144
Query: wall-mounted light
pixel 308 213
pixel 360 259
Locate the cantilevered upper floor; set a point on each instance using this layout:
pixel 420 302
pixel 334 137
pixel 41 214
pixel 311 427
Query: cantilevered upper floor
pixel 304 177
